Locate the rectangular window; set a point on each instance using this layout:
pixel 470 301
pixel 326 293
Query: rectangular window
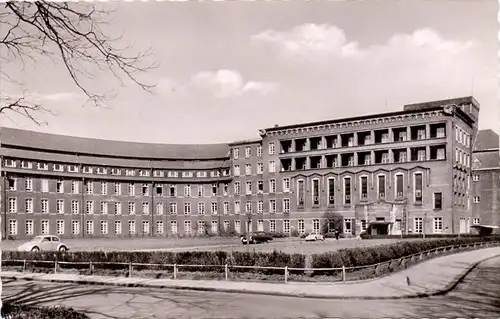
pixel 45 206
pixel 104 188
pixel 131 189
pixel 316 226
pixel 159 208
pixel 145 208
pixel 13 227
pixel 260 187
pixel 173 227
pixel 201 191
pixel 104 208
pixel 226 208
pixel 438 225
pixel 272 226
pixel 187 227
pixel 45 229
pixel 29 227
pixel 25 164
pixel 214 208
pixel 75 227
pixel 248 151
pixel 236 153
pixel 89 227
pixel 399 186
pixel 236 188
pixel 300 194
pixel 117 208
pixel 145 227
pixel 173 208
pixel 260 225
pixel 187 190
pixel 90 207
pixel 214 227
pixel 131 208
pixel 12 205
pixel 29 205
pixel 145 190
pixel 286 226
pixel 159 190
pixel 272 149
pixel 159 227
pixel 248 207
pixel 418 188
pixel 260 168
pixel 28 184
pixel 272 166
pixel 74 187
pixel 381 186
pixel 418 225
pixel 286 185
pixel 237 226
pixel 272 206
pixel 187 208
pixel 364 187
pixel 201 208
pixel 475 221
pixel 131 227
pixel 60 206
pixel 301 226
pixel 347 226
pixel 118 227
pixel 331 191
pixel 347 190
pixel 476 199
pixel 236 170
pixel 259 151
pixel 104 227
pixel 475 178
pixel 89 187
pixel 286 205
pixel 248 169
pixel 315 192
pixel 75 207
pixel 237 207
pixel 248 187
pixel 272 186
pixel 260 207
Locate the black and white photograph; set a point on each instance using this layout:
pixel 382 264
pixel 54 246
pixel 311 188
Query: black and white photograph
pixel 249 159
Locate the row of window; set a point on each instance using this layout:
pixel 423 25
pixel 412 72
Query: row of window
pixel 248 151
pixel 117 207
pixel 201 226
pixel 462 157
pixel 42 166
pixel 461 136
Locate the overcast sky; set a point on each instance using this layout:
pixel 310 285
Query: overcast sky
pixel 229 69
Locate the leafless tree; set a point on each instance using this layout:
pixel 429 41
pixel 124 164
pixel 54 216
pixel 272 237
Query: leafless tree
pixel 73 33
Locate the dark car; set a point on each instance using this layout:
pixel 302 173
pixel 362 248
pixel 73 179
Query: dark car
pixel 256 238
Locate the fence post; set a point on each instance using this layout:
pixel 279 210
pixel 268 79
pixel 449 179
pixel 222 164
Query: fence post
pixel 343 273
pixel 226 271
pixel 55 267
pixel 130 270
pixel 91 268
pixel 175 271
pixel 24 265
pixel 286 274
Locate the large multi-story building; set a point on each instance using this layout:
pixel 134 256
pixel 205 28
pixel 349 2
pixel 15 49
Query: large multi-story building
pixel 399 172
pixel 486 181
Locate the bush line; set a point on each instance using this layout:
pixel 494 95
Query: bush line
pixel 17 311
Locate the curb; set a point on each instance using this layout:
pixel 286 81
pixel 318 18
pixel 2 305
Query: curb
pixel 449 287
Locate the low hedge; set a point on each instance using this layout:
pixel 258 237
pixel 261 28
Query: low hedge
pixel 363 256
pixel 213 258
pixel 15 311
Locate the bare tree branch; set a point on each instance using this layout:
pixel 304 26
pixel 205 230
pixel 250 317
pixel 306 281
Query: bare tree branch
pixel 72 33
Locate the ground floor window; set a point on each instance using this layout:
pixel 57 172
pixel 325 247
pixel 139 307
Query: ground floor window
pixel 215 226
pixel 187 227
pixel 226 225
pixel 89 227
pixel 286 226
pixel 316 225
pixel 104 227
pixel 438 225
pixel 475 221
pixel 13 227
pixel 173 227
pixel 60 227
pixel 45 227
pixel 260 225
pixel 29 227
pixel 397 225
pixel 347 226
pixel 272 226
pixel 145 227
pixel 159 227
pixel 301 226
pixel 418 225
pixel 237 226
pixel 201 227
pixel 363 224
pixel 118 227
pixel 131 227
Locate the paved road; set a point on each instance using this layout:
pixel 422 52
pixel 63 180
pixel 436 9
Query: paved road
pixel 476 297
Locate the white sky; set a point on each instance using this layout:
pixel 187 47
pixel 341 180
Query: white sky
pixel 229 69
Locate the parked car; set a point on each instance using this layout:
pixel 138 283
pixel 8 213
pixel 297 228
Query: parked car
pixel 44 243
pixel 314 237
pixel 256 238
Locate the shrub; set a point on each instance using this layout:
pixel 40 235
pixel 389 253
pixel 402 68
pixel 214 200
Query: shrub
pixel 15 311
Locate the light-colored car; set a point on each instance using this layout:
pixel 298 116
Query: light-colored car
pixel 314 237
pixel 44 243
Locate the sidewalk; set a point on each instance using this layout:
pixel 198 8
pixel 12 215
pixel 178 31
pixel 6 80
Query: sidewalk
pixel 435 276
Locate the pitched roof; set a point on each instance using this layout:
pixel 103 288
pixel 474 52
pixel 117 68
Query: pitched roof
pixel 89 146
pixel 486 159
pixel 486 139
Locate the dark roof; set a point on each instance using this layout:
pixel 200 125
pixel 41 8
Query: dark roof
pixel 431 104
pixel 486 159
pixel 246 142
pixel 486 139
pixel 118 149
